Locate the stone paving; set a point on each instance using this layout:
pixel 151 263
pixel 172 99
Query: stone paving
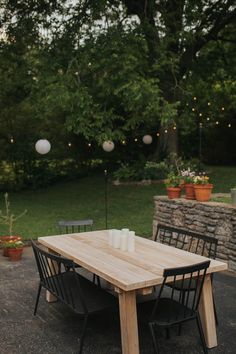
pixel 55 329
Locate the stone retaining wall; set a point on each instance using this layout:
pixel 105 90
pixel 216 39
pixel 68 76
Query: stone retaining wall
pixel 211 218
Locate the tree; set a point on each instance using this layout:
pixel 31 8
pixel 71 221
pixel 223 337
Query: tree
pixel 117 66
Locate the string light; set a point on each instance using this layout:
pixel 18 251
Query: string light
pixel 200 114
pixel 166 131
pixel 229 125
pixel 195 98
pixel 222 108
pixel 174 127
pixel 158 134
pixel 217 122
pixel 209 103
pixel 193 109
pixel 136 140
pixel 89 145
pixel 12 141
pixel 69 144
pixel 123 142
pixel 208 118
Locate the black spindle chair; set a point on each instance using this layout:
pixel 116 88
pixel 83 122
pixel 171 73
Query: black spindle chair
pixel 71 226
pixel 189 241
pixel 58 275
pixel 172 310
pixel 74 226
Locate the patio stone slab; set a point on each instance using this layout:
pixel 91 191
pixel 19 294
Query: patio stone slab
pixel 55 329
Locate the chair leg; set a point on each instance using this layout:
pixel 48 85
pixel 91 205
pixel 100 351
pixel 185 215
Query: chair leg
pixel 83 335
pixel 199 324
pixel 96 278
pixel 153 338
pixel 37 299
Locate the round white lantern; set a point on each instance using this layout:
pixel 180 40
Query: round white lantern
pixel 42 146
pixel 108 146
pixel 147 139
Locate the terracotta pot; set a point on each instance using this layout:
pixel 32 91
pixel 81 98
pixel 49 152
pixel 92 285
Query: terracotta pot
pixel 15 254
pixel 7 239
pixel 173 192
pixel 189 191
pixel 203 192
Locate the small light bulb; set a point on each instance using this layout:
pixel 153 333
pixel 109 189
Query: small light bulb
pixel 69 144
pixel 174 127
pixel 208 118
pixel 12 141
pixel 195 98
pixel 200 114
pixel 158 134
pixel 89 145
pixel 209 103
pixel 217 122
pixel 229 125
pixel 222 108
pixel 166 131
pixel 135 139
pixel 123 142
pixel 193 109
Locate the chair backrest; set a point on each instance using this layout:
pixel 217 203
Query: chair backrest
pixel 189 299
pixel 187 240
pixel 71 226
pixel 56 275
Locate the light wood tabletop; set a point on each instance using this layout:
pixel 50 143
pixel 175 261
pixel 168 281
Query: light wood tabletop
pixel 130 272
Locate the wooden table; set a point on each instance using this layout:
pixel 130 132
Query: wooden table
pixel 132 272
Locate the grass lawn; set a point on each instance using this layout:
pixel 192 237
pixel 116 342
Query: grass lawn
pixel 128 206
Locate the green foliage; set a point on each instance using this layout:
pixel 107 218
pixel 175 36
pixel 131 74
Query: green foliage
pixel 13 244
pixel 173 180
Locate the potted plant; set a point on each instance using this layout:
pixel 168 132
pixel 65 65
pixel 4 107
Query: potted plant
pixel 173 185
pixel 188 177
pixel 15 249
pixel 233 195
pixel 8 219
pixel 202 187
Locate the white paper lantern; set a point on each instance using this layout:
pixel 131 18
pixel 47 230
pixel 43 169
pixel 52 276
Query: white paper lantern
pixel 42 146
pixel 147 139
pixel 108 146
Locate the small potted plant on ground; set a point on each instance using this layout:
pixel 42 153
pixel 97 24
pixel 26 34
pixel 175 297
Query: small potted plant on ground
pixel 8 219
pixel 233 195
pixel 173 185
pixel 188 177
pixel 15 249
pixel 202 187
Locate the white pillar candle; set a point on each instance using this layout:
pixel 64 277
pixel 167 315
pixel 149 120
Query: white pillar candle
pixel 116 239
pixel 131 241
pixel 123 241
pixel 110 237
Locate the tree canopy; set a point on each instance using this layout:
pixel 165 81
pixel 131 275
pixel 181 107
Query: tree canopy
pixel 114 69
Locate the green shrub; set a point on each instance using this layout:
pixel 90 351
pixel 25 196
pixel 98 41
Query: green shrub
pixel 155 170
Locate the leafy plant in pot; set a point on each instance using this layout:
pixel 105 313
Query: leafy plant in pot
pixel 15 249
pixel 202 188
pixel 172 184
pixel 188 177
pixel 8 219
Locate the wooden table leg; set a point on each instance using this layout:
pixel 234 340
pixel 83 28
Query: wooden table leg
pixel 128 322
pixel 52 270
pixel 206 310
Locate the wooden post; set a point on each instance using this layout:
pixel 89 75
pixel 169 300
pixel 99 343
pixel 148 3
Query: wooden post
pixel 128 322
pixel 206 310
